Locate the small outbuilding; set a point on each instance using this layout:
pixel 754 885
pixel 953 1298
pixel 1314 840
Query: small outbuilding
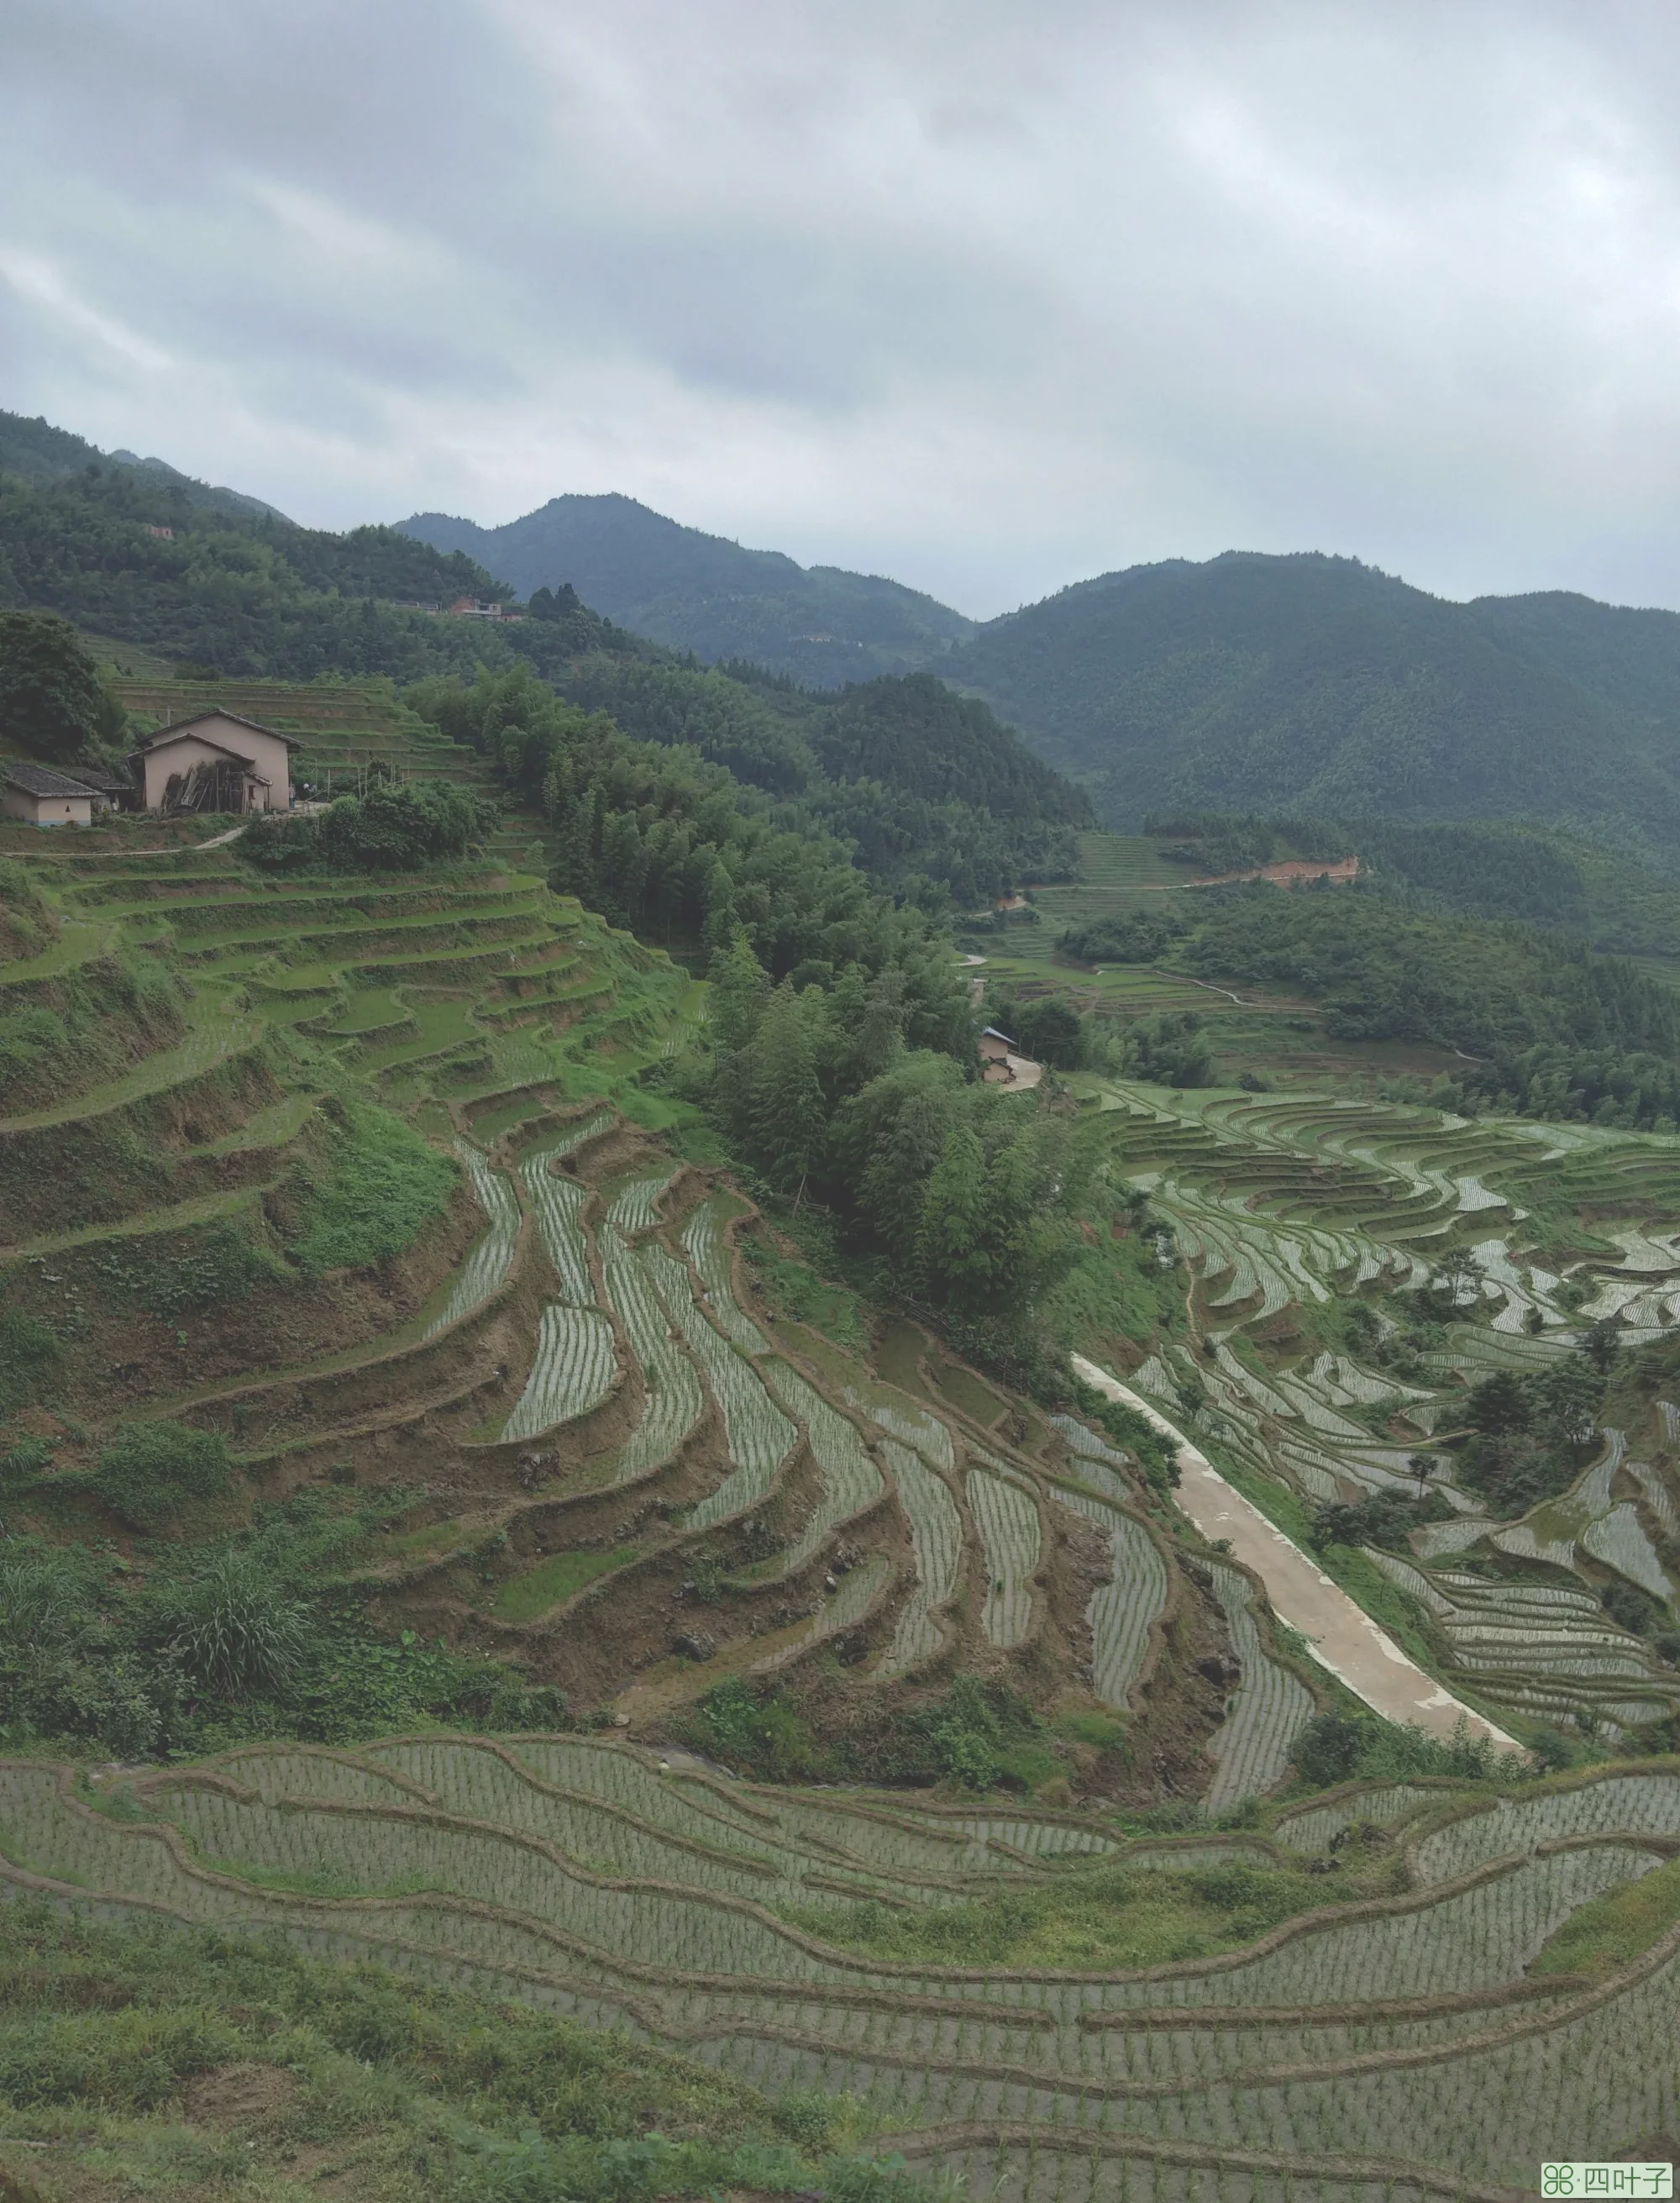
pixel 216 761
pixel 111 791
pixel 41 797
pixel 995 1049
pixel 1000 1065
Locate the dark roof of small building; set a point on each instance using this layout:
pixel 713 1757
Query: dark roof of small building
pixel 37 780
pixel 183 726
pixel 103 777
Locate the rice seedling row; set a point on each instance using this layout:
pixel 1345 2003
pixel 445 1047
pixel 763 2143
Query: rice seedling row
pixel 703 1241
pixel 1006 1517
pixel 1120 1611
pixel 850 1481
pixel 1267 1712
pixel 558 1202
pixel 573 1371
pixel 760 1437
pixel 936 1539
pixel 634 1208
pixel 489 1260
pixel 673 1401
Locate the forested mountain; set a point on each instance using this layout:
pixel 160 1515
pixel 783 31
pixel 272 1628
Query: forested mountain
pixel 36 448
pixel 1322 686
pixel 700 593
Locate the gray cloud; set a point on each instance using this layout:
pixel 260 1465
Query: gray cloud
pixel 983 296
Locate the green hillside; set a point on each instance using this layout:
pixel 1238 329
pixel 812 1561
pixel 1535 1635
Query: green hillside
pixel 937 798
pixel 1322 687
pixel 621 1578
pixel 700 593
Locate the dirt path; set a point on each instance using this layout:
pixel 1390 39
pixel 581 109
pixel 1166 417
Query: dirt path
pixel 1344 1637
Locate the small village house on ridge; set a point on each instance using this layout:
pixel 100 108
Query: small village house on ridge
pixel 995 1049
pixel 1000 1065
pixel 216 761
pixel 41 797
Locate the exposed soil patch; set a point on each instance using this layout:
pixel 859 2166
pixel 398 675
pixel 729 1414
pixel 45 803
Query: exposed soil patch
pixel 235 2095
pixel 1286 873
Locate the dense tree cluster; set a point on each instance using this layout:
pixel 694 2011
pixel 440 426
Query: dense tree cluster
pixel 1387 971
pixel 1133 937
pixel 1527 1432
pixel 932 790
pixel 388 829
pixel 659 838
pixel 51 698
pixel 965 1191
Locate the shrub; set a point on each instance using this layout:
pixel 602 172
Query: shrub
pixel 151 1470
pixel 1327 1750
pixel 763 1734
pixel 386 829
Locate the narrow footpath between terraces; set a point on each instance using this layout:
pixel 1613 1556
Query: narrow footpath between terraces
pixel 1344 1637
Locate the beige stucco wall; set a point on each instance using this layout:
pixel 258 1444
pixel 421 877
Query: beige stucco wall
pixel 266 752
pixel 46 810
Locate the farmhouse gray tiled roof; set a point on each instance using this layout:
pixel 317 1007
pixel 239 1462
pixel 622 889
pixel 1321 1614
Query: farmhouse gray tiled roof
pixel 37 780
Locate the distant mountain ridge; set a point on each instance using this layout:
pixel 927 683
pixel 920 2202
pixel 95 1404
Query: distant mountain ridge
pixel 37 451
pixel 1320 686
pixel 1301 684
pixel 822 625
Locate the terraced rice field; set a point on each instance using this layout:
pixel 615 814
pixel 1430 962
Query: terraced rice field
pixel 1279 1203
pixel 1395 2046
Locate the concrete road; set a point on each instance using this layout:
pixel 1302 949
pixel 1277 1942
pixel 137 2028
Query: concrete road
pixel 1344 1637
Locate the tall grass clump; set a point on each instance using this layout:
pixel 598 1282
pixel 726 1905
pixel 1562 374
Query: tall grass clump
pixel 384 1186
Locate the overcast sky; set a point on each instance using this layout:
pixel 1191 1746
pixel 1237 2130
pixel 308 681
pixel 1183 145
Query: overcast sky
pixel 989 297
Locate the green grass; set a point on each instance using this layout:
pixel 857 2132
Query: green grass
pixel 1611 1931
pixel 797 1292
pixel 1092 1917
pixel 371 1009
pixel 964 1391
pixel 524 1597
pixel 387 1183
pixel 119 2044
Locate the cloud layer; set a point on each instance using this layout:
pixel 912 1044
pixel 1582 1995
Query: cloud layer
pixel 986 297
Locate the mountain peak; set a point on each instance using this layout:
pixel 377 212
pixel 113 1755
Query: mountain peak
pixel 823 625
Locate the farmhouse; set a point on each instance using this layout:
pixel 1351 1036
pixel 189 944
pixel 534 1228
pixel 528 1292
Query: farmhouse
pixel 216 761
pixel 41 797
pixel 476 608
